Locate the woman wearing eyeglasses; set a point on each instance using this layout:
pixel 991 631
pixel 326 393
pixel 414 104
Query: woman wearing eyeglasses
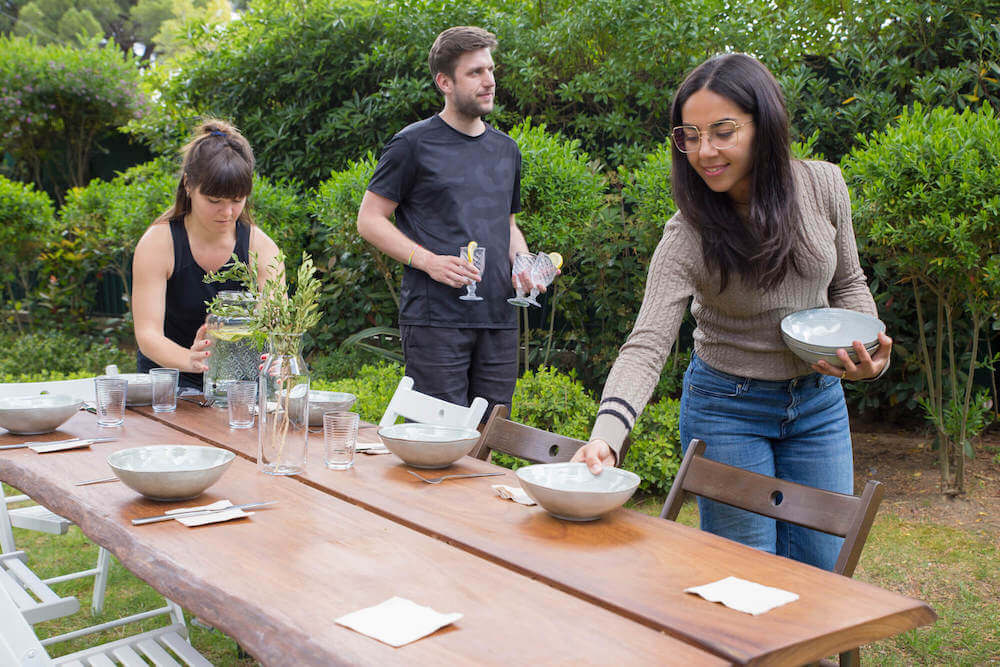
pixel 757 236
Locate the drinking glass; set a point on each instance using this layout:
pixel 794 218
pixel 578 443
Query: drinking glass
pixel 110 392
pixel 164 381
pixel 543 272
pixel 522 262
pixel 478 261
pixel 340 435
pixel 241 396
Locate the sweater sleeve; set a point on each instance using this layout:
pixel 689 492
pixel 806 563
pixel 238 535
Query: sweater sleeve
pixel 636 371
pixel 849 288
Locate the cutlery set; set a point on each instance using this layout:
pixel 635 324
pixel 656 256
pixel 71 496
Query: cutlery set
pixel 42 446
pixel 201 512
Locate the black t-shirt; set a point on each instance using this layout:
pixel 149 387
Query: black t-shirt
pixel 451 189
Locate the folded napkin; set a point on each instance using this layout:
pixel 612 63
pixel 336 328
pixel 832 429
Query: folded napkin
pixel 210 517
pixel 515 493
pixel 370 444
pixel 743 595
pixel 397 621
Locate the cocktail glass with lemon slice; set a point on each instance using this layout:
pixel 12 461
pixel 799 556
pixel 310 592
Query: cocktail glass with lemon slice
pixel 543 271
pixel 476 256
pixel 522 262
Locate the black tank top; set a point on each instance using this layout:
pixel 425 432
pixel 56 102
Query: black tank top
pixel 187 294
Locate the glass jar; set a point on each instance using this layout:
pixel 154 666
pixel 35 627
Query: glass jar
pixel 235 355
pixel 283 407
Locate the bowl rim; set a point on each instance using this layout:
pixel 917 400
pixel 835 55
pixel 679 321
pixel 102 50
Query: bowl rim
pixel 833 311
pixel 460 433
pixel 70 400
pixel 633 478
pixel 228 457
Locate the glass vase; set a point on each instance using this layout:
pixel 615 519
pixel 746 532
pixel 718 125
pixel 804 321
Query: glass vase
pixel 283 407
pixel 235 355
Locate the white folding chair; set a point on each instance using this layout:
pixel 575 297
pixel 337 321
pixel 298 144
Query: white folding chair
pixel 166 646
pixel 38 518
pixel 411 404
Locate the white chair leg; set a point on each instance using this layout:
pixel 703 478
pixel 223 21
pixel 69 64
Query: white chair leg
pixel 100 580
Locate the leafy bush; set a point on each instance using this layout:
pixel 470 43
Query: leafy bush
pixel 50 356
pixel 56 102
pixel 280 210
pixel 27 223
pixel 373 384
pixel 928 203
pixel 655 453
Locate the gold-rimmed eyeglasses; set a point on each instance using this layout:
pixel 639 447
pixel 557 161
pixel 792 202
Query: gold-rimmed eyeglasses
pixel 721 135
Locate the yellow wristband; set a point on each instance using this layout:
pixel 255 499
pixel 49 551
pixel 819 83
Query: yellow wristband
pixel 409 260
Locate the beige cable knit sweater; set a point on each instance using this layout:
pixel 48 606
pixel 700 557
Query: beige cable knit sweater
pixel 738 330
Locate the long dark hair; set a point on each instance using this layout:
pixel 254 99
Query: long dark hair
pixel 219 162
pixel 761 248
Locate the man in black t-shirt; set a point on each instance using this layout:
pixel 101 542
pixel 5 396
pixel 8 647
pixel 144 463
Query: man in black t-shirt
pixel 449 180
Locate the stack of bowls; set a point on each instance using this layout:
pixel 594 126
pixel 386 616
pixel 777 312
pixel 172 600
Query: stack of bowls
pixel 328 401
pixel 816 334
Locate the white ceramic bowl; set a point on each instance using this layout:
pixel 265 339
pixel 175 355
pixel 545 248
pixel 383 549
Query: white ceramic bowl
pixel 41 413
pixel 428 446
pixel 328 401
pixel 811 355
pixel 825 330
pixel 570 491
pixel 140 388
pixel 170 472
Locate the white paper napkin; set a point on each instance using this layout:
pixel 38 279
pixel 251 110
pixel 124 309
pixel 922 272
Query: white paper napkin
pixel 59 446
pixel 212 517
pixel 515 493
pixel 370 444
pixel 397 621
pixel 743 595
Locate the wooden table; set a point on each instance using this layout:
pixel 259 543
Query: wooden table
pixel 628 565
pixel 276 581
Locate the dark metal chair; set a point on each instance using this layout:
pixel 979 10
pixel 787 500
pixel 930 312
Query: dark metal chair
pixel 846 516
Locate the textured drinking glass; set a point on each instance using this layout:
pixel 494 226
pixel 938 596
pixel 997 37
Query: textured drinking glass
pixel 241 396
pixel 543 272
pixel 522 262
pixel 478 261
pixel 340 435
pixel 164 381
pixel 110 393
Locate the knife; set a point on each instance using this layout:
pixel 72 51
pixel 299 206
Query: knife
pixel 55 442
pixel 167 517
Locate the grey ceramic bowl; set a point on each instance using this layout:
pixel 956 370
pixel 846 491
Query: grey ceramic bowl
pixel 811 355
pixel 140 389
pixel 428 446
pixel 328 401
pixel 42 413
pixel 569 490
pixel 170 472
pixel 824 330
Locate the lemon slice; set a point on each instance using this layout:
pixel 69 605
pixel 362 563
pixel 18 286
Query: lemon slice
pixel 557 259
pixel 230 334
pixel 470 249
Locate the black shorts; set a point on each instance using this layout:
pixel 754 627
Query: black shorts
pixel 459 364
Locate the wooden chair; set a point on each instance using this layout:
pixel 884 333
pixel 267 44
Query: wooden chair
pixel 20 646
pixel 410 404
pixel 846 516
pixel 503 435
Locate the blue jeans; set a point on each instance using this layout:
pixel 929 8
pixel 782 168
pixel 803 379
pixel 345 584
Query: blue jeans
pixel 792 429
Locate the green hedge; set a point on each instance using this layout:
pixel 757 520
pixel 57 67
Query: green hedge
pixel 27 224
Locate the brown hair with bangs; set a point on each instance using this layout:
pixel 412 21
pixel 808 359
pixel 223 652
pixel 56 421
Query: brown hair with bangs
pixel 452 43
pixel 219 163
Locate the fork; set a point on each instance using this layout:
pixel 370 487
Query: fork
pixel 203 404
pixel 438 480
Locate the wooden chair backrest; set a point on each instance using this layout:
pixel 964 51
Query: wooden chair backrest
pixel 847 516
pixel 503 435
pixel 410 404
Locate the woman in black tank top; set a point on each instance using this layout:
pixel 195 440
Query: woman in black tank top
pixel 207 224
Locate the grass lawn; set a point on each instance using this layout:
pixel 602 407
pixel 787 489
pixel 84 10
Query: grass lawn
pixel 955 570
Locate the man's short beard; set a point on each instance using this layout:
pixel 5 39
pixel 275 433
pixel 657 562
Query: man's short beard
pixel 470 108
